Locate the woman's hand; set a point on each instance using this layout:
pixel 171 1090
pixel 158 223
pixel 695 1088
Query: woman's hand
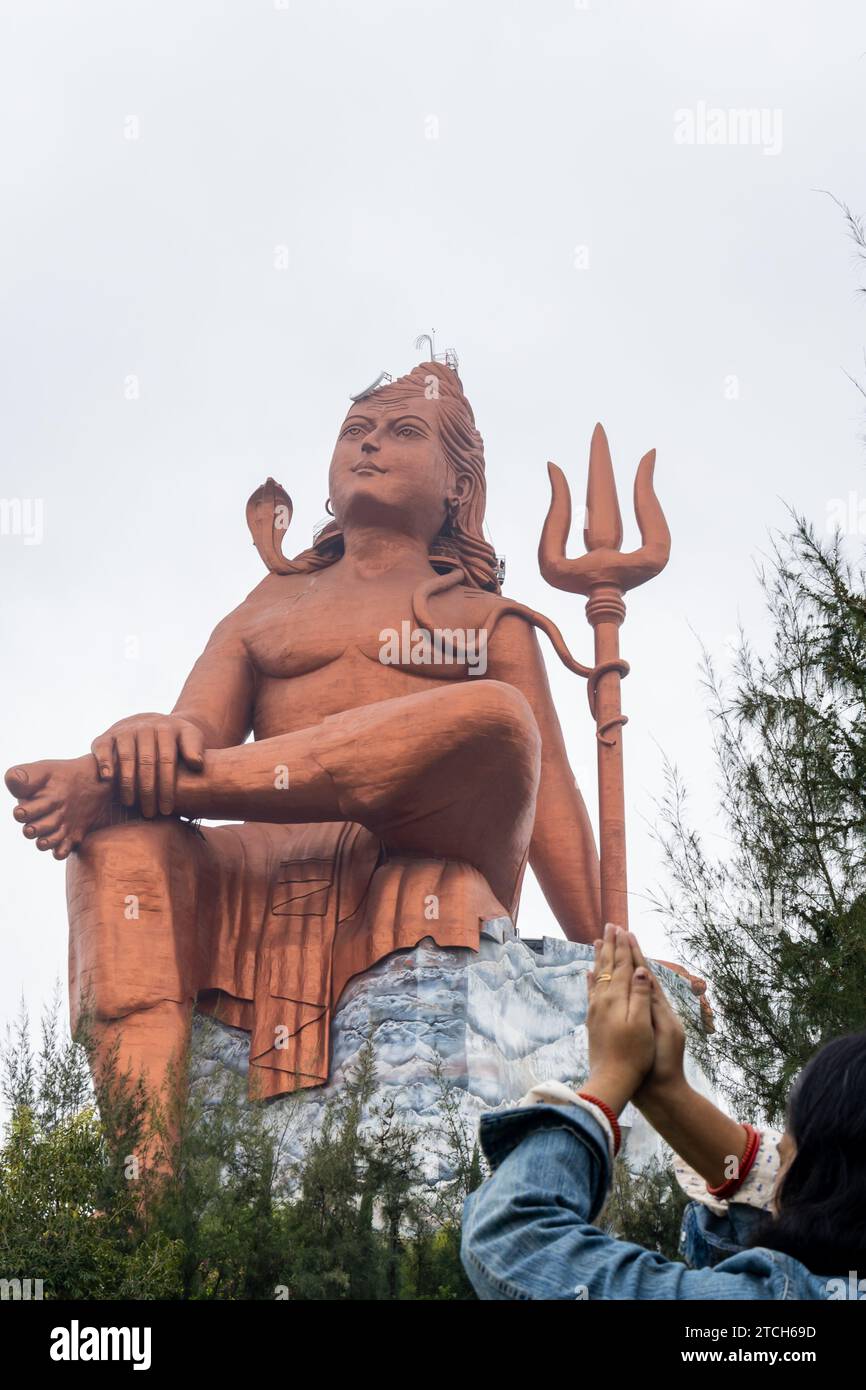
pixel 704 1136
pixel 619 1021
pixel 636 1049
pixel 670 1035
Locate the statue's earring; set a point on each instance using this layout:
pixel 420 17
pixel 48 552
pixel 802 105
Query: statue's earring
pixel 453 508
pixel 328 508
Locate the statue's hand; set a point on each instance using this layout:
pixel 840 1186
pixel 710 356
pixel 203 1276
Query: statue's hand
pixel 142 752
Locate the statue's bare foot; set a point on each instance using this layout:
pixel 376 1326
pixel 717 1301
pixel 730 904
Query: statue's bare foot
pixel 59 801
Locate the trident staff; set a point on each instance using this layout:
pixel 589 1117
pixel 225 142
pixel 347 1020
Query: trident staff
pixel 604 574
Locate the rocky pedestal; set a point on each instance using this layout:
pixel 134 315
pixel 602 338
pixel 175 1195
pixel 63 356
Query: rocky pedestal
pixel 491 1024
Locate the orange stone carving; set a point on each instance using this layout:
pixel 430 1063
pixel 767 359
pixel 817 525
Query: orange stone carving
pixel 406 763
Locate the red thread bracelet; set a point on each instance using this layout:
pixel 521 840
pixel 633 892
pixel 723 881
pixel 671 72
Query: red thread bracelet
pixel 750 1153
pixel 610 1115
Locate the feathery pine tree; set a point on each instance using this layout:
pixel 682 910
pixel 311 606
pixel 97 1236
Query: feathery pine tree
pixel 778 924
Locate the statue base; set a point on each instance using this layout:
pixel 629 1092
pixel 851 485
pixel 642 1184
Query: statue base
pixel 499 1020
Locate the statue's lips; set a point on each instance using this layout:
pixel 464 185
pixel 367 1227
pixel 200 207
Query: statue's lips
pixel 368 468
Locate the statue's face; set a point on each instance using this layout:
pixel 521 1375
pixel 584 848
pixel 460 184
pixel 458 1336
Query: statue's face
pixel 388 467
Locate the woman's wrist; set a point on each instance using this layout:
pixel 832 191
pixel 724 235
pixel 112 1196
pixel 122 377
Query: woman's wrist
pixel 654 1098
pixel 613 1087
pixel 705 1137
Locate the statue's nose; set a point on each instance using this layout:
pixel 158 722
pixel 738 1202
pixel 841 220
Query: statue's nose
pixel 370 445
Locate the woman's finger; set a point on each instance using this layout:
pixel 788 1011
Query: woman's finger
pixel 603 976
pixel 638 956
pixel 591 974
pixel 657 1002
pixel 604 962
pixel 622 966
pixel 661 1002
pixel 640 997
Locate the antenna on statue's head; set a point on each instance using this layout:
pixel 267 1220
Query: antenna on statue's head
pixel 448 357
pixel 427 338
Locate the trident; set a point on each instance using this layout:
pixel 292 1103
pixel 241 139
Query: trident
pixel 604 574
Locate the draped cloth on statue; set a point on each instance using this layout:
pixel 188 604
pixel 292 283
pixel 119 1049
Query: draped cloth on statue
pixel 337 905
pixel 263 924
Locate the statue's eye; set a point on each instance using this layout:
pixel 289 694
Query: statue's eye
pixel 407 431
pixel 352 429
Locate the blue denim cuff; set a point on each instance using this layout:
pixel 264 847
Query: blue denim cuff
pixel 500 1131
pixel 707 1238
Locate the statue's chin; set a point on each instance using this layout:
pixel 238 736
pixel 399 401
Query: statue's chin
pixel 372 502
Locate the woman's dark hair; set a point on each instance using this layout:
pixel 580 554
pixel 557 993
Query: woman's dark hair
pixel 821 1202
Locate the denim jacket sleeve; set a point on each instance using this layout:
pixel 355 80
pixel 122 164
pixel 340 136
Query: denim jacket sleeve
pixel 712 1229
pixel 707 1236
pixel 528 1232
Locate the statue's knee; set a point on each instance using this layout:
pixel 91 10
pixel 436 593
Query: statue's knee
pixel 141 871
pixel 501 714
pixel 144 841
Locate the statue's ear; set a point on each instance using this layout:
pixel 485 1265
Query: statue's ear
pixel 269 512
pixel 464 487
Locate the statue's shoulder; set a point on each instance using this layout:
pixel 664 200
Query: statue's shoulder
pixel 273 585
pixel 493 606
pixel 274 589
pixel 466 605
pixel 479 608
pixel 512 630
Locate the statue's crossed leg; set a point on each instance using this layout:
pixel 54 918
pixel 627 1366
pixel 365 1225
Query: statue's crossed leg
pixel 450 773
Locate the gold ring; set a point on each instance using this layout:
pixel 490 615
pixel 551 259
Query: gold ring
pixel 601 979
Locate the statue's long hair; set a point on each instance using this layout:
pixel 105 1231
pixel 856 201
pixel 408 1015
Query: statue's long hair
pixel 460 543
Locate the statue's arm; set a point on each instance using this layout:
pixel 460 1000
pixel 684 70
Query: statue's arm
pixel 562 853
pixel 214 710
pixel 217 696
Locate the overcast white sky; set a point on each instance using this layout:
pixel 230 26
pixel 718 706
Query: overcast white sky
pixel 504 170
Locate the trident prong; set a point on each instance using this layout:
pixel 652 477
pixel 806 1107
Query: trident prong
pixel 604 562
pixel 604 574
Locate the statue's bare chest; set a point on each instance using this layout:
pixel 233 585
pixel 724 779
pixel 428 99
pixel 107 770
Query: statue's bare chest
pixel 323 651
pixel 319 628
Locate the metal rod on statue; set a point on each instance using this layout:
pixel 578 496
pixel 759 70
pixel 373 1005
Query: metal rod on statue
pixel 604 574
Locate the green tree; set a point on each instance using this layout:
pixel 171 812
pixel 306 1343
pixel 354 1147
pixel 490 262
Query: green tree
pixel 645 1207
pixel 333 1251
pixel 778 923
pixel 433 1267
pixel 67 1213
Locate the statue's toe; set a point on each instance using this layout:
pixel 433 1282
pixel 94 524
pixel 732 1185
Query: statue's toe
pixel 25 782
pixel 42 826
pixel 17 780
